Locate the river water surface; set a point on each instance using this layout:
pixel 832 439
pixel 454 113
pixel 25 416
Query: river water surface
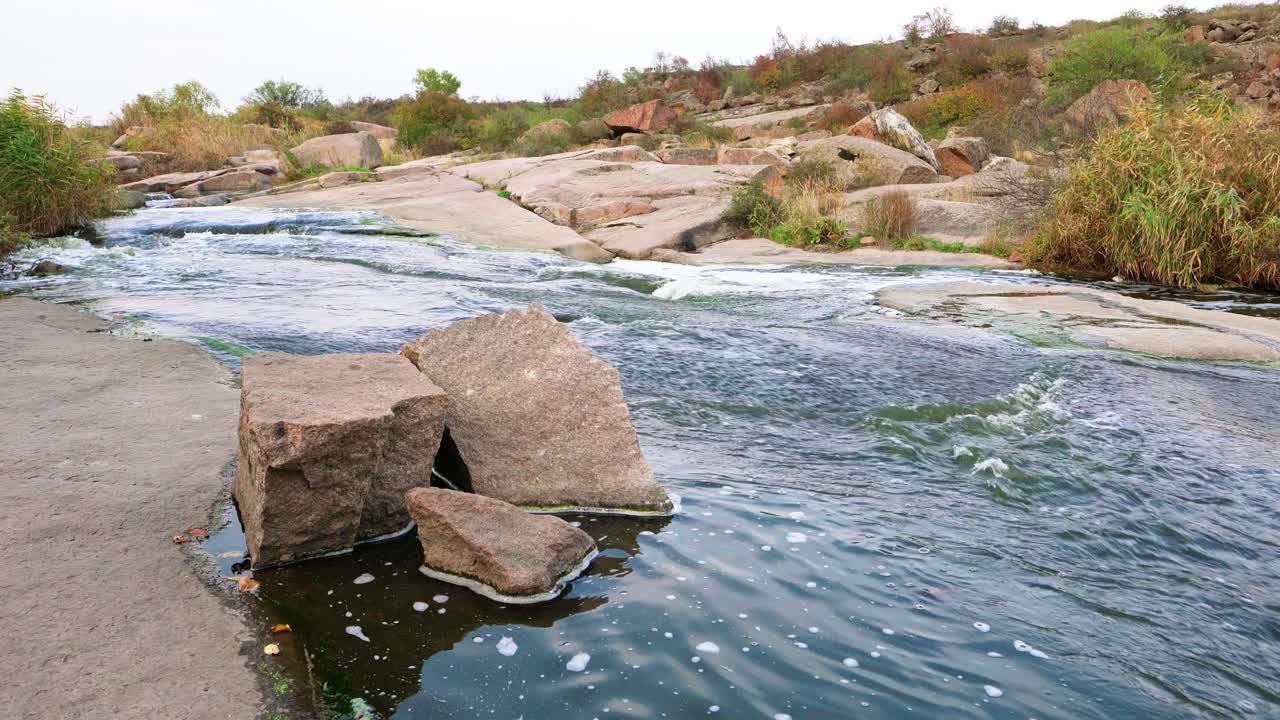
pixel 883 517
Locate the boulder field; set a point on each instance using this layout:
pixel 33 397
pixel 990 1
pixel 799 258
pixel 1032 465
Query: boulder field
pixel 507 410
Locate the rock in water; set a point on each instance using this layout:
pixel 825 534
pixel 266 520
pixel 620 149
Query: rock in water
pixel 539 421
pixel 495 548
pixel 328 446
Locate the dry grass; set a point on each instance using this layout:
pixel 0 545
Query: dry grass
pixel 891 216
pixel 1183 196
pixel 201 142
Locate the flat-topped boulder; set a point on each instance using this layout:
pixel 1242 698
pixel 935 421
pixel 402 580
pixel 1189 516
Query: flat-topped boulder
pixel 381 132
pixel 538 420
pixel 328 446
pixel 862 162
pixel 753 125
pixel 349 150
pixel 495 548
pixel 680 223
pixel 646 117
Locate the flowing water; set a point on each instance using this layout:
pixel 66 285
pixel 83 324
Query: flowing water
pixel 883 517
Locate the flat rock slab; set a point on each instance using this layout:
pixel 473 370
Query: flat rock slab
pixel 110 447
pixel 495 548
pixel 749 126
pixel 680 223
pixel 748 251
pixel 539 421
pixel 328 446
pixel 446 203
pixel 1098 318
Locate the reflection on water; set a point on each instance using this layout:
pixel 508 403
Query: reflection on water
pixel 883 517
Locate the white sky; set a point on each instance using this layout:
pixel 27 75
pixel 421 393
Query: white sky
pixel 91 55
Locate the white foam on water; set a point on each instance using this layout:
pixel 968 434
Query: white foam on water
pixel 781 716
pixel 766 548
pixel 356 631
pixel 578 662
pixel 441 598
pixel 993 691
pixel 364 579
pixel 994 465
pixel 982 627
pixel 707 648
pixel 420 606
pixel 507 647
pixel 795 538
pixel 959 451
pixel 850 662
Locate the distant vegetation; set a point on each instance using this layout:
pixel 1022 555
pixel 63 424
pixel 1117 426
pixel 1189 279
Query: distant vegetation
pixel 47 184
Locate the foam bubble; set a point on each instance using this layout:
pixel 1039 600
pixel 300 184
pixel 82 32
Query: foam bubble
pixel 441 598
pixel 507 647
pixel 356 631
pixel 420 606
pixel 850 662
pixel 982 627
pixel 578 662
pixel 707 648
pixel 993 691
pixel 364 579
pixel 795 538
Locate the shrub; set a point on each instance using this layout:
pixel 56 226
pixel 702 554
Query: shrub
pixel 431 80
pixel 433 123
pixel 891 216
pixel 840 117
pixel 1119 54
pixel 1176 17
pixel 1011 58
pixel 966 57
pixel 182 100
pixel 703 135
pixel 889 79
pixel 753 208
pixel 47 184
pixel 741 82
pixel 1180 196
pixel 270 114
pixel 814 171
pixel 766 72
pixel 933 114
pixel 286 94
pixel 820 231
pixel 501 128
pixel 601 94
pixel 1003 25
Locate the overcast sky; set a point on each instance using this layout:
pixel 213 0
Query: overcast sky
pixel 91 55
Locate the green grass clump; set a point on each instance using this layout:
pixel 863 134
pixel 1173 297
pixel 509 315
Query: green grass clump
pixel 47 184
pixel 1184 196
pixel 1121 53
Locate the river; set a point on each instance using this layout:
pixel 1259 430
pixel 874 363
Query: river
pixel 882 517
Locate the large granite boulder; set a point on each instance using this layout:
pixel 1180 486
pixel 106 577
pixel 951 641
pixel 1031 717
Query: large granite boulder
pixel 328 446
pixel 538 420
pixel 494 547
pixel 349 150
pixel 891 128
pixel 647 117
pixel 861 162
pixel 1108 103
pixel 962 155
pixel 244 181
pixel 380 132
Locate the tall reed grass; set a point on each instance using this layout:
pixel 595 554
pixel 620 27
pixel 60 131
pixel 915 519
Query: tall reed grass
pixel 47 184
pixel 1183 196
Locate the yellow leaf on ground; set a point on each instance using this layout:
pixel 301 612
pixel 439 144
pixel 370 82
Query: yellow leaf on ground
pixel 281 628
pixel 272 649
pixel 244 584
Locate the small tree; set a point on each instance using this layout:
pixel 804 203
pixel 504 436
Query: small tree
pixel 1003 25
pixel 433 80
pixel 286 94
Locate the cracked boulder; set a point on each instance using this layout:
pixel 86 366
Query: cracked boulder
pixel 537 420
pixel 495 548
pixel 328 446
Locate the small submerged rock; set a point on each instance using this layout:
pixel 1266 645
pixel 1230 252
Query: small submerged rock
pixel 495 548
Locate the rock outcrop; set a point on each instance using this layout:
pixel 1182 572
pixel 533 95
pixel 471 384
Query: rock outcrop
pixel 960 156
pixel 380 132
pixel 1108 103
pixel 328 446
pixel 538 420
pixel 862 162
pixel 647 117
pixel 348 150
pixel 891 128
pixel 495 548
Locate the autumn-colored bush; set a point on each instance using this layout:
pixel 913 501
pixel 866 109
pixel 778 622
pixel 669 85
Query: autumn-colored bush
pixel 708 82
pixel 891 216
pixel 933 114
pixel 888 79
pixel 766 71
pixel 966 57
pixel 840 117
pixel 1011 57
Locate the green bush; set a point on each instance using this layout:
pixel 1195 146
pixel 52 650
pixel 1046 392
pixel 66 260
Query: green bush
pixel 890 80
pixel 47 184
pixel 1120 53
pixel 431 80
pixel 822 231
pixel 1180 196
pixel 933 114
pixel 753 208
pixel 434 123
pixel 499 130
